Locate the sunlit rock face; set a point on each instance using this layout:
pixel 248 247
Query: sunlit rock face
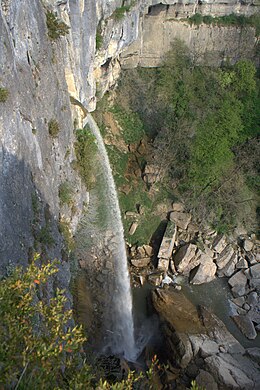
pixel 40 74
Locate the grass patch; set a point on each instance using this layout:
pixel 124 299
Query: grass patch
pixel 85 149
pixel 54 128
pixel 4 93
pixel 99 38
pixel 44 236
pixel 64 229
pixel 129 121
pixel 56 28
pixel 66 193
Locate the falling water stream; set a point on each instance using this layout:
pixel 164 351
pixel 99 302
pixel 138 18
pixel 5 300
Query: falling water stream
pixel 120 335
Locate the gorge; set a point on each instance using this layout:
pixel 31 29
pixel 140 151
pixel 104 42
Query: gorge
pixel 57 197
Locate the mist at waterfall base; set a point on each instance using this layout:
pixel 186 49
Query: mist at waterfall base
pixel 119 338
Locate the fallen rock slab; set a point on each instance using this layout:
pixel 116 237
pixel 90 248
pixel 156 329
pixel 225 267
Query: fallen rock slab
pixel 255 271
pixel 133 228
pixel 245 325
pixel 219 244
pixel 224 257
pixel 206 381
pixel 228 372
pixel 185 259
pixel 239 279
pixel 141 262
pixel 182 220
pixel 205 272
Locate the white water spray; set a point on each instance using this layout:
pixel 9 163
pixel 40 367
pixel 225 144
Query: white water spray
pixel 121 332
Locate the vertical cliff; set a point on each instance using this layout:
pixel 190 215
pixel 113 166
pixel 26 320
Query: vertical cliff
pixel 40 73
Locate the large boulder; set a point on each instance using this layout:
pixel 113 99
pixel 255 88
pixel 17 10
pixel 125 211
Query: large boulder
pixel 140 262
pixel 246 326
pixel 181 219
pixel 219 243
pixel 185 258
pixel 205 272
pixel 233 372
pixel 224 257
pixel 239 279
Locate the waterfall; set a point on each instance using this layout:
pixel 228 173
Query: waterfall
pixel 120 335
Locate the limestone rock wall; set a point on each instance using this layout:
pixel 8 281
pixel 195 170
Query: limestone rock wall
pixel 40 74
pixel 33 164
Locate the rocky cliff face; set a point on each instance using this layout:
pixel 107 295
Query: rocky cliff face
pixel 40 74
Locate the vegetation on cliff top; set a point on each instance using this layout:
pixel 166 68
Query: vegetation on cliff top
pixel 201 124
pixel 40 347
pixel 227 20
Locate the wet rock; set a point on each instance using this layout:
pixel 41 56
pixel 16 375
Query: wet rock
pixel 246 326
pixel 219 243
pixel 185 259
pixel 205 272
pixel 248 245
pixel 133 228
pixel 206 381
pixel 224 257
pixel 182 220
pixel 176 206
pixel 140 262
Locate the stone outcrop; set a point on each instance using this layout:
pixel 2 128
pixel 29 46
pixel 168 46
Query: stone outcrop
pixel 164 23
pixel 201 344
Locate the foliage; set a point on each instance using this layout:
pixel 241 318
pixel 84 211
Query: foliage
pixel 120 12
pixel 130 122
pixel 40 347
pixel 66 193
pixel 64 229
pixel 199 120
pixel 99 38
pixel 54 128
pixel 37 338
pixel 195 386
pixel 85 149
pixel 44 235
pixel 227 20
pixel 56 28
pixel 4 93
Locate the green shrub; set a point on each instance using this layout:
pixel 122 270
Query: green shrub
pixel 36 340
pixel 4 93
pixel 64 229
pixel 44 236
pixel 40 348
pixel 54 128
pixel 120 12
pixel 133 130
pixel 56 28
pixel 99 38
pixel 196 19
pixel 66 193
